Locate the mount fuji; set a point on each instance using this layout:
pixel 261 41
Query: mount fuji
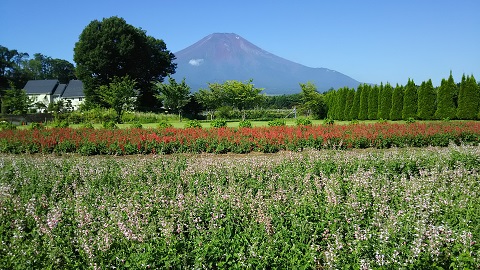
pixel 227 56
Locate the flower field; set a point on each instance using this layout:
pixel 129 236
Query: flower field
pixel 237 140
pixel 410 208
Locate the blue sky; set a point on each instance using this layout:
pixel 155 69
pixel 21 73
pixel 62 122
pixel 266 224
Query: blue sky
pixel 370 40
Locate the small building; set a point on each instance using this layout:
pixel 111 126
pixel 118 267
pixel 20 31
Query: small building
pixel 74 94
pixel 44 92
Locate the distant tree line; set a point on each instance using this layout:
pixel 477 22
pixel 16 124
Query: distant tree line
pixel 423 102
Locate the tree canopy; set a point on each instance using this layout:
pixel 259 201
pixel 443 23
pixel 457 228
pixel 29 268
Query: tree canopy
pixel 175 96
pixel 110 48
pixel 119 94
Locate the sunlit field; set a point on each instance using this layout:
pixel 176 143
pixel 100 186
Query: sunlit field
pixel 415 208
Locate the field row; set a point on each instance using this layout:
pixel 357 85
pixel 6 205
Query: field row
pixel 359 209
pixel 237 140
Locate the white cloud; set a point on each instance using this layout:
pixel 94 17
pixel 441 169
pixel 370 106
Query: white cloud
pixel 195 62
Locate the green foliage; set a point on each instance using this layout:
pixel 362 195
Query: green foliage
pixel 61 124
pixel 385 102
pixel 355 108
pixel 193 124
pixel 328 121
pixel 175 96
pixel 365 92
pixel 468 98
pixel 276 123
pixel 218 123
pixel 447 94
pixel 373 102
pixel 410 100
pixel 112 48
pixel 119 95
pixel 164 124
pixel 35 125
pixel 15 101
pixel 410 120
pixel 312 102
pixel 426 101
pixel 87 126
pixel 340 103
pixel 397 103
pixel 110 125
pixel 245 124
pixel 4 125
pixel 235 94
pixel 136 125
pixel 303 122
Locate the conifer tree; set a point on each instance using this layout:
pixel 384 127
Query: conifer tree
pixel 468 98
pixel 341 99
pixel 385 102
pixel 426 101
pixel 355 110
pixel 373 103
pixel 410 101
pixel 330 101
pixel 363 112
pixel 349 103
pixel 397 103
pixel 446 99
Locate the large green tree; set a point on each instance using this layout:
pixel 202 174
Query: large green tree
pixel 447 94
pixel 397 103
pixel 363 112
pixel 385 102
pixel 340 102
pixel 119 94
pixel 410 100
pixel 355 109
pixel 427 98
pixel 468 98
pixel 15 101
pixel 175 96
pixel 112 48
pixel 373 103
pixel 312 100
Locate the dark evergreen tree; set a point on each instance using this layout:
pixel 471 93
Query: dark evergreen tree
pixel 410 101
pixel 397 103
pixel 426 101
pixel 355 110
pixel 446 99
pixel 468 98
pixel 330 98
pixel 340 101
pixel 373 103
pixel 385 102
pixel 349 103
pixel 363 112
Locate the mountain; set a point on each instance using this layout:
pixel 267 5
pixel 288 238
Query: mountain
pixel 226 56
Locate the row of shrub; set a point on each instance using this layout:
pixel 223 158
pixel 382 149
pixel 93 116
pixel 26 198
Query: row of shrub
pixel 88 141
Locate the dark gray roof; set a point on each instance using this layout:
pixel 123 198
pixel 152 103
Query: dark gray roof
pixel 74 89
pixel 60 89
pixel 35 87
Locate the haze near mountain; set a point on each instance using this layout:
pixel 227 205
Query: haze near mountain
pixel 226 56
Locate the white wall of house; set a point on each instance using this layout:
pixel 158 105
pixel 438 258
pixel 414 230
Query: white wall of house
pixel 45 99
pixel 76 102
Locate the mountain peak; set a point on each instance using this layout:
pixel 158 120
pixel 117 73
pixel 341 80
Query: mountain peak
pixel 227 56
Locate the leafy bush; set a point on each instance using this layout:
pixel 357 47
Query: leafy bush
pixel 164 124
pixel 303 122
pixel 110 125
pixel 87 126
pixel 136 125
pixel 36 125
pixel 193 124
pixel 328 121
pixel 4 125
pixel 276 123
pixel 410 120
pixel 383 121
pixel 61 124
pixel 218 123
pixel 354 122
pixel 245 124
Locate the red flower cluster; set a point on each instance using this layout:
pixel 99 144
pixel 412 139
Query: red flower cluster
pixel 238 140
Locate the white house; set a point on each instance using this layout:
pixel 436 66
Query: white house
pixel 49 91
